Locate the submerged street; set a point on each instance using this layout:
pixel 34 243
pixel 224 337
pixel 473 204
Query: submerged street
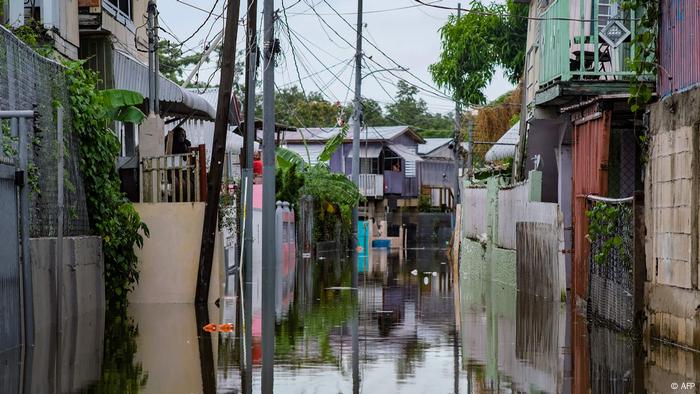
pixel 411 338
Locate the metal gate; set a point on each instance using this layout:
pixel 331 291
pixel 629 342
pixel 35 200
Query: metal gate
pixel 10 290
pixel 16 316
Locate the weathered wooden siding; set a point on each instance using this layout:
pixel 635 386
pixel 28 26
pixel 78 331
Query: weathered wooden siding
pixel 679 51
pixel 591 145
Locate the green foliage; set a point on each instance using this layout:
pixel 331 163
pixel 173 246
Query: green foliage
pixel 409 110
pixel 473 45
pixel 604 227
pixel 294 108
pixel 643 60
pixel 34 34
pixel 111 215
pixel 121 373
pixel 425 204
pixel 333 144
pixel 227 207
pixel 173 61
pixel 9 142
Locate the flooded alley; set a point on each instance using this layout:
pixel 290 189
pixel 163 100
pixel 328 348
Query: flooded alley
pixel 403 333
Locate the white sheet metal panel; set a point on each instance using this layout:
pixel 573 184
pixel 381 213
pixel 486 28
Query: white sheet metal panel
pixel 367 152
pixel 314 150
pixel 474 205
pixel 514 206
pixel 131 74
pixel 500 152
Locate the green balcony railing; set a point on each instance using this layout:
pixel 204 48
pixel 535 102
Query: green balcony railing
pixel 585 40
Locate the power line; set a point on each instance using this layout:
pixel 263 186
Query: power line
pixel 370 11
pixel 505 15
pixel 384 53
pixel 203 23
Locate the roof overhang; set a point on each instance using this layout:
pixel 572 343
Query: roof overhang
pixel 131 74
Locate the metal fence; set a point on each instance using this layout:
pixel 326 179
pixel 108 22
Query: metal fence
pixel 30 81
pixel 611 282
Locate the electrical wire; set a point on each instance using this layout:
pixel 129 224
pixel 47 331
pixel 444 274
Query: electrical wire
pixel 506 15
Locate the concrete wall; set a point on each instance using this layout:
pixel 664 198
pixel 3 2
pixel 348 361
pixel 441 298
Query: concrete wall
pixel 671 192
pixel 492 214
pixel 169 259
pixel 82 316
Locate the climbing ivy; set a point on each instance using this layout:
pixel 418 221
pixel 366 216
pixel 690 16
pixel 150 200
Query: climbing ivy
pixel 643 61
pixel 111 215
pixel 606 229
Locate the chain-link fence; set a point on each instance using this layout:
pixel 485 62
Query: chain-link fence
pixel 624 168
pixel 611 284
pixel 29 81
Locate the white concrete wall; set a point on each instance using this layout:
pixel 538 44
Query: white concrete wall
pixel 169 259
pixel 474 205
pixel 515 206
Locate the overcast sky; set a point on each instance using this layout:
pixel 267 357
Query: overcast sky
pixel 405 31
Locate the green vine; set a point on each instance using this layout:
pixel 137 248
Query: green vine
pixel 643 61
pixel 111 215
pixel 607 229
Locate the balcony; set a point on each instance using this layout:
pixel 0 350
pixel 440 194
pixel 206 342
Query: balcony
pixel 173 178
pixel 584 48
pixel 372 185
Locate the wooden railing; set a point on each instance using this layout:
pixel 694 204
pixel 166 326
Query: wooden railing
pixel 372 185
pixel 574 45
pixel 173 178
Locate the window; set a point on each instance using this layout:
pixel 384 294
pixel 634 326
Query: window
pixel 121 6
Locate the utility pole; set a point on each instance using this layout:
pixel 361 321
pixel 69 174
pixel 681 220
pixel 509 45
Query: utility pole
pixel 247 173
pixel 156 61
pixel 522 138
pixel 458 129
pixel 218 152
pixel 151 10
pixel 269 261
pixel 357 124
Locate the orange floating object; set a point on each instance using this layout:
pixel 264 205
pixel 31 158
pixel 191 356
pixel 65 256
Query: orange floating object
pixel 226 327
pixel 211 327
pixel 359 249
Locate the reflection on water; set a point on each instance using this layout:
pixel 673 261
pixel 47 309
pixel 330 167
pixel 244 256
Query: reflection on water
pixel 411 336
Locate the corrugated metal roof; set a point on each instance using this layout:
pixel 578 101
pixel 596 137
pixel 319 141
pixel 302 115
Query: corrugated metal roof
pixel 500 152
pixel 131 74
pixel 320 134
pixel 432 144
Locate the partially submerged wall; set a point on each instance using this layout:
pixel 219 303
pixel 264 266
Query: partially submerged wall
pixel 672 184
pixel 512 218
pixel 82 313
pixel 169 260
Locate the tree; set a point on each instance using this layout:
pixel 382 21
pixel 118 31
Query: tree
pixel 173 62
pixel 294 108
pixel 409 110
pixel 473 45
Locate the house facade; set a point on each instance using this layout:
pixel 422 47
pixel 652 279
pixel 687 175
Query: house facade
pixel 389 162
pixel 581 132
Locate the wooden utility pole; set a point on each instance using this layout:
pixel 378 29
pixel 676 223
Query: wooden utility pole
pixel 246 238
pixel 218 152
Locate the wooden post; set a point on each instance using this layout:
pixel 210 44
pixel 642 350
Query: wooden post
pixel 218 151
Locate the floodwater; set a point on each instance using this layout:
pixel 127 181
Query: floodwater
pixel 410 335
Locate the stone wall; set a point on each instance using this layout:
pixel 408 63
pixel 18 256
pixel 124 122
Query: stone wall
pixel 671 189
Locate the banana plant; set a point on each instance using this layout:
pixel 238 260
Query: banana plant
pixel 121 105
